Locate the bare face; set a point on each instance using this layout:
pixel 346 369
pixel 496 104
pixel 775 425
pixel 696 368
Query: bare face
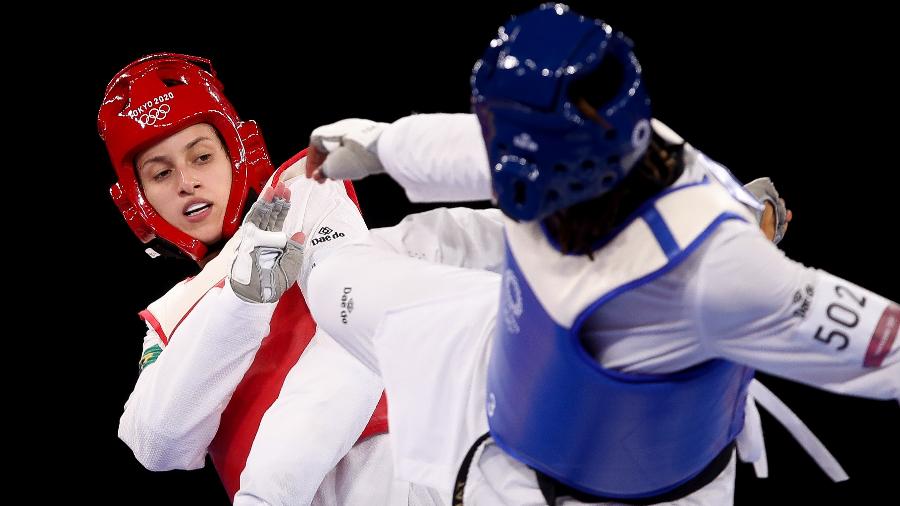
pixel 187 179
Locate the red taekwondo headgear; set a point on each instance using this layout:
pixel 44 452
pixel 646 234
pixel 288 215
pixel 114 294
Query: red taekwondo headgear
pixel 155 97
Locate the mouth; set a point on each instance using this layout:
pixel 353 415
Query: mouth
pixel 197 211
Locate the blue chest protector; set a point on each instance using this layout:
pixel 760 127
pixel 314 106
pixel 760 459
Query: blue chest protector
pixel 603 432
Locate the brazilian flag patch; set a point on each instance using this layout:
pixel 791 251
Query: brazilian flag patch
pixel 150 355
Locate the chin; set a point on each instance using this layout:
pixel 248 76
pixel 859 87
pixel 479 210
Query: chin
pixel 212 239
pixel 207 238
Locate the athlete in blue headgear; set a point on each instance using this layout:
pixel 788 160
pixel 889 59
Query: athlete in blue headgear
pixel 636 293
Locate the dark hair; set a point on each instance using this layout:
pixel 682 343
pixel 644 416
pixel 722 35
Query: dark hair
pixel 577 229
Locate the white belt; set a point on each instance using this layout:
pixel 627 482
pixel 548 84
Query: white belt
pixel 752 448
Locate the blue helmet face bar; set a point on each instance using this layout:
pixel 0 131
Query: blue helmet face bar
pixel 547 149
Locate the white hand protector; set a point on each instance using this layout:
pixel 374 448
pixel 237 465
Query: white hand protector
pixel 267 263
pixel 351 148
pixel 764 191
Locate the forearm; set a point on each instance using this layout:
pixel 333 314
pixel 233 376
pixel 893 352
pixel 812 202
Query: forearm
pixel 840 338
pixel 173 413
pixel 800 323
pixel 437 157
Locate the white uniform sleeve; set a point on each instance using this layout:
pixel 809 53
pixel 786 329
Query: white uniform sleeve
pixel 757 307
pixel 460 237
pixel 437 157
pixel 173 413
pixel 326 215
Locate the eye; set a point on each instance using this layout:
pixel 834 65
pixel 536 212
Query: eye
pixel 159 176
pixel 204 158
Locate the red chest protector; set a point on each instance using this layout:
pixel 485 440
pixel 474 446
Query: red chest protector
pixel 291 329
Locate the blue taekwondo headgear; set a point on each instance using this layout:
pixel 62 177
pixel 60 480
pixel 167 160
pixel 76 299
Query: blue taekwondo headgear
pixel 545 153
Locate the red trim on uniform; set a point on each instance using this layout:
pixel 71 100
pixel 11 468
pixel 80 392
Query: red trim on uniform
pixel 378 424
pixel 351 192
pixel 290 330
pixel 148 317
pixel 883 337
pixel 220 284
pixel 291 161
pixel 348 185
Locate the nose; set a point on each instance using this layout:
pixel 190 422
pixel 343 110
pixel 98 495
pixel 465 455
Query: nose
pixel 188 181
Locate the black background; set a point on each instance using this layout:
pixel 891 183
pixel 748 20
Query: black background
pixel 804 97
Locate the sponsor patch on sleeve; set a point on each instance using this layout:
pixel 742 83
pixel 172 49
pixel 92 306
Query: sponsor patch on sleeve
pixel 883 337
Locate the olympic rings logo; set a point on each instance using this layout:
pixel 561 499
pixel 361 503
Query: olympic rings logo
pixel 154 115
pixel 512 303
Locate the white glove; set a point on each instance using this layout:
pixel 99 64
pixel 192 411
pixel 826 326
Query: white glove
pixel 267 262
pixel 764 191
pixel 350 147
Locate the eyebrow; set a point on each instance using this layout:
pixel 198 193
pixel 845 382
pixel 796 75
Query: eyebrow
pixel 164 158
